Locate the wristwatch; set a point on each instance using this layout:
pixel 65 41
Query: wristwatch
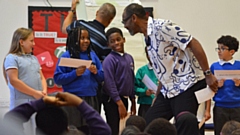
pixel 207 72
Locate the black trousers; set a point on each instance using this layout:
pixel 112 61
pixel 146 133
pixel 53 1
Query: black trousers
pixel 169 107
pixel 111 112
pixel 143 108
pixel 222 115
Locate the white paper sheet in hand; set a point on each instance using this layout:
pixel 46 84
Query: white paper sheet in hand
pixel 227 74
pixel 149 83
pixel 204 95
pixel 81 11
pixel 74 63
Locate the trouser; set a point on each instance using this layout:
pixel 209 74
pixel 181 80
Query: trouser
pixel 222 115
pixel 143 108
pixel 169 107
pixel 111 112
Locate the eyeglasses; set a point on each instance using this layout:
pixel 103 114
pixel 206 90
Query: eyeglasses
pixel 127 18
pixel 220 49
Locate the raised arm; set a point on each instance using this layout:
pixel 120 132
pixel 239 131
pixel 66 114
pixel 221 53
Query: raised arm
pixel 95 122
pixel 199 53
pixel 68 19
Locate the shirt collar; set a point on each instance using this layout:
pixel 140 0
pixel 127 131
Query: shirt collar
pixel 98 23
pixel 221 62
pixel 150 67
pixel 121 54
pixel 150 26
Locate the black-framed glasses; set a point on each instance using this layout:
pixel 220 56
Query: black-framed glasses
pixel 127 18
pixel 220 49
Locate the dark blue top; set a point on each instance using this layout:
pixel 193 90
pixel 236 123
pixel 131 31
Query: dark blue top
pixel 84 85
pixel 95 122
pixel 228 96
pixel 119 75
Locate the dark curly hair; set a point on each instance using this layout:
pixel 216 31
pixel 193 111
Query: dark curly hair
pixel 73 43
pixel 231 42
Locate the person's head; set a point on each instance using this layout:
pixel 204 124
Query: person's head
pixel 133 17
pixel 51 120
pixel 229 127
pixel 137 121
pixel 130 130
pixel 106 14
pixel 161 126
pixel 115 39
pixel 22 41
pixel 227 46
pixel 78 41
pixel 236 132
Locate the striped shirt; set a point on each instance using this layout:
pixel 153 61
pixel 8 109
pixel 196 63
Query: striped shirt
pixel 97 36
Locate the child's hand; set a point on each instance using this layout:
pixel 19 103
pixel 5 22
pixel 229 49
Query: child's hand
pixel 93 69
pixel 80 70
pixel 220 83
pixel 207 115
pixel 149 92
pixel 236 81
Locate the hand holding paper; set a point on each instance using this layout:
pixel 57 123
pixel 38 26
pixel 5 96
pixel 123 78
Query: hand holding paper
pixel 74 63
pixel 149 83
pixel 80 70
pixel 204 94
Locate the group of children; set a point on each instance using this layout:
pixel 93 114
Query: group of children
pixel 26 81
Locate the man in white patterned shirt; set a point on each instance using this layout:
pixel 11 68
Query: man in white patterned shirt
pixel 179 63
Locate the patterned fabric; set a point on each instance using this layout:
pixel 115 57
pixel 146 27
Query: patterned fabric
pixel 174 64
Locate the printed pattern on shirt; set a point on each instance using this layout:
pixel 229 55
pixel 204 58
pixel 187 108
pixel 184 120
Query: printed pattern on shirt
pixel 174 64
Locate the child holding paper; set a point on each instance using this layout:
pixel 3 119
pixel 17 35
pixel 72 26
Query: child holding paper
pixel 118 81
pixel 145 95
pixel 81 81
pixel 227 98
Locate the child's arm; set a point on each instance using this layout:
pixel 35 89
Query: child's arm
pixel 62 76
pixel 18 84
pixel 207 114
pixel 139 87
pixel 97 70
pixel 44 83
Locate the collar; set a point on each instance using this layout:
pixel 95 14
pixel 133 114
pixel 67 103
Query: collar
pixel 150 26
pixel 121 54
pixel 150 67
pixel 221 62
pixel 99 24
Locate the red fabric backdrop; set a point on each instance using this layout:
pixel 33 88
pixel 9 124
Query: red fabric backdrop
pixel 49 40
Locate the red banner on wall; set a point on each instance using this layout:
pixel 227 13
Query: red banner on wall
pixel 49 40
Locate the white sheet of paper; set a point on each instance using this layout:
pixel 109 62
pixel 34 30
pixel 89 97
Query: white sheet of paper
pixel 201 123
pixel 81 11
pixel 75 63
pixel 204 95
pixel 227 74
pixel 149 83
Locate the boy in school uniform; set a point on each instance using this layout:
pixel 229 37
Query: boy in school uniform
pixel 118 85
pixel 227 99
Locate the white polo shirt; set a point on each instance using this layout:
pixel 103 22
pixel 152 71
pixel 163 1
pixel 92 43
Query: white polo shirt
pixel 174 64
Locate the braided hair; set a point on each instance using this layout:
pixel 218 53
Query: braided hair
pixel 73 42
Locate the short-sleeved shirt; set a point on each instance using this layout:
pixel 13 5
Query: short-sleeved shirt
pixel 28 71
pixel 174 64
pixel 97 36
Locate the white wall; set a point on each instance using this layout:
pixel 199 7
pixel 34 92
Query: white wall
pixel 206 20
pixel 13 15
